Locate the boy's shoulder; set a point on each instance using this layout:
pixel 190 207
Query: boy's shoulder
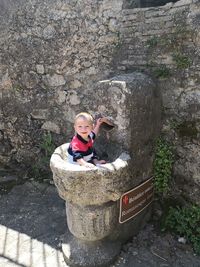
pixel 75 139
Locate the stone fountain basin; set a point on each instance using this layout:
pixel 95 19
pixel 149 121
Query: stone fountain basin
pixel 84 186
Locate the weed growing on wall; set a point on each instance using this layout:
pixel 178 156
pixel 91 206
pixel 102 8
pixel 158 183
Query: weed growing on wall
pixel 162 72
pixel 162 166
pixel 182 61
pixel 47 145
pixel 118 43
pixel 185 222
pixel 17 88
pixel 40 170
pixel 152 42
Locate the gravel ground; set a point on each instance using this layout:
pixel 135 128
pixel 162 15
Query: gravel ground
pixel 32 220
pixel 151 249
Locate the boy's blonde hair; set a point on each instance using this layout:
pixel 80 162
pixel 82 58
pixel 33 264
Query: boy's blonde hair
pixel 85 116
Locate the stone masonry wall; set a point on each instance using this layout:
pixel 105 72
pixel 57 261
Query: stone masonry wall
pixel 52 53
pixel 165 42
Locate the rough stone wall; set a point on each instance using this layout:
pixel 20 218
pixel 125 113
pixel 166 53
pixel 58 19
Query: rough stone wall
pixel 52 53
pixel 164 42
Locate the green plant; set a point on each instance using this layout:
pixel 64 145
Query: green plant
pixel 162 72
pixel 185 221
pixel 173 124
pixel 40 170
pixel 182 61
pixel 17 88
pixel 47 144
pixel 118 43
pixel 152 42
pixel 162 165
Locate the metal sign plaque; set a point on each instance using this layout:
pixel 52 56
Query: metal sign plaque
pixel 136 200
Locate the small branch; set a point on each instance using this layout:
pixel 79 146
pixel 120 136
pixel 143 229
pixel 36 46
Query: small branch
pixel 157 255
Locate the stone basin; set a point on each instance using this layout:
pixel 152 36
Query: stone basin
pixel 86 186
pixel 91 197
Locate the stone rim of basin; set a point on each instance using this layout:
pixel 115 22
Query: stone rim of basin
pixel 95 186
pixel 59 161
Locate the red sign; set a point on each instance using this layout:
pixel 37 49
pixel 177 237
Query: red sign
pixel 136 200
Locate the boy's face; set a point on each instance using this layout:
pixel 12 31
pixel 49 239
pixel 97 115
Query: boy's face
pixel 83 127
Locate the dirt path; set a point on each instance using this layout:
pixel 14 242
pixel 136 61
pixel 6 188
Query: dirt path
pixel 32 220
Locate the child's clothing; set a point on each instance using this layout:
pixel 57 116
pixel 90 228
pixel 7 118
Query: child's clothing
pixel 79 148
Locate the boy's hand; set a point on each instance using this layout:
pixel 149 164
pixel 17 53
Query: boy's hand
pixel 106 120
pixel 89 165
pixel 108 123
pixel 102 161
pixel 99 121
pixel 86 164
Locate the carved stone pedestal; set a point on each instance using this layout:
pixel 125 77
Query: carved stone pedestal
pixel 92 196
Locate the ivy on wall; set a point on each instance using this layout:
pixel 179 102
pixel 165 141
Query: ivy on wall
pixel 162 166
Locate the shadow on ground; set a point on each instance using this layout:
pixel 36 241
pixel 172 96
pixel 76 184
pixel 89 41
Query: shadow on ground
pixel 32 222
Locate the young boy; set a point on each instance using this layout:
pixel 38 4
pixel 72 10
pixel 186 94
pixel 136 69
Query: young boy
pixel 81 147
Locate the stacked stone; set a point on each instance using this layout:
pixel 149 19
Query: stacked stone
pixel 164 42
pixel 51 53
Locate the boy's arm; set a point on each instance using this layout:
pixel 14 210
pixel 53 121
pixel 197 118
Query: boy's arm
pixel 97 126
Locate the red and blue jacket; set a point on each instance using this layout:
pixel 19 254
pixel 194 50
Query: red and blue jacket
pixel 79 148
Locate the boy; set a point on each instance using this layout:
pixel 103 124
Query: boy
pixel 81 147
